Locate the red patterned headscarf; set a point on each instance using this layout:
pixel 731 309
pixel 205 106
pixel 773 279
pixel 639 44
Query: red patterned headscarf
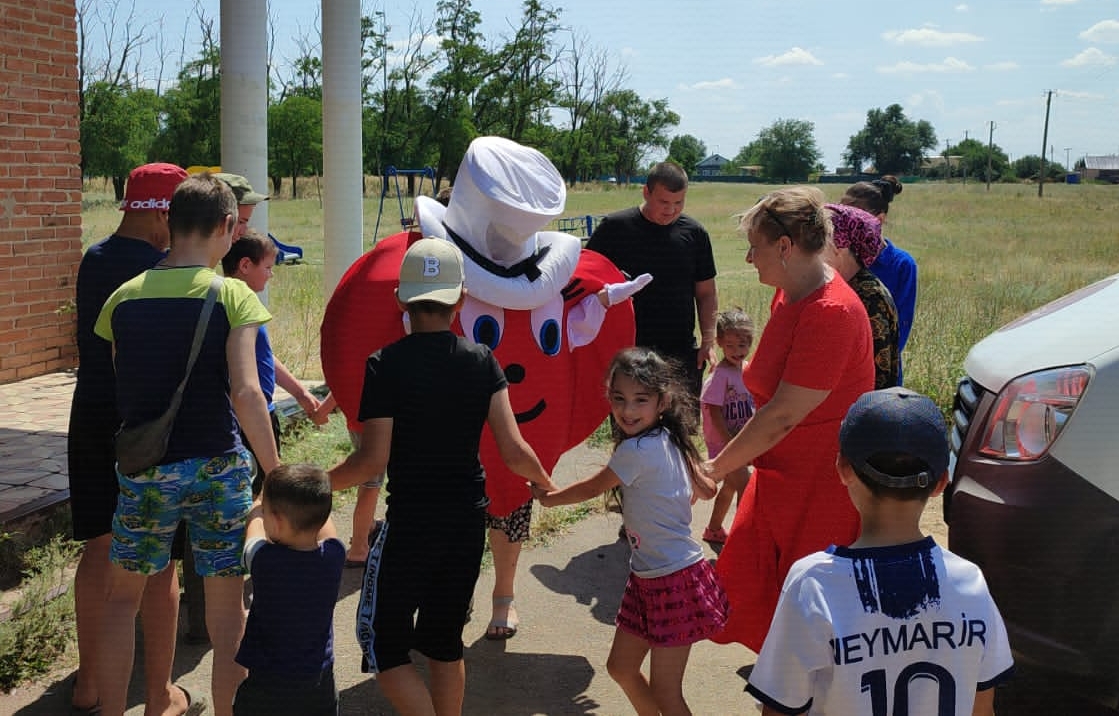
pixel 857 230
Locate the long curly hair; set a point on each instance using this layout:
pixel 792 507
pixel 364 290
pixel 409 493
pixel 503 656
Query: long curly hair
pixel 664 378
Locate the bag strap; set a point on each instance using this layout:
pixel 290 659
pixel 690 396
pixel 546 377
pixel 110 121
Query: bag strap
pixel 199 335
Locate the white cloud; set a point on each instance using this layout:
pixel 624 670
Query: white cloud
pixel 724 84
pixel 1090 58
pixel 928 37
pixel 841 76
pixel 795 56
pixel 927 98
pixel 1103 31
pixel 1074 94
pixel 1059 2
pixel 628 52
pixel 962 7
pixel 1005 66
pixel 950 64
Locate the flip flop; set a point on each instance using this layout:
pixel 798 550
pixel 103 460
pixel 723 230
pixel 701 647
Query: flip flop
pixel 502 629
pixel 196 705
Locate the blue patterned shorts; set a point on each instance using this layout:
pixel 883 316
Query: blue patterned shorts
pixel 212 495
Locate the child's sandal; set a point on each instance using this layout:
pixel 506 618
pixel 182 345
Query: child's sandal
pixel 502 629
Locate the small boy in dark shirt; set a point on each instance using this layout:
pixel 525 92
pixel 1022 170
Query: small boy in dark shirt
pixel 424 403
pixel 295 560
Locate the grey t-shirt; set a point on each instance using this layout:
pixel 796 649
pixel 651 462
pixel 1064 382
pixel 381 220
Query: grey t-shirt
pixel 656 504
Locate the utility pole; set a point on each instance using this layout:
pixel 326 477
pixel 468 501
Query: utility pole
pixel 1068 167
pixel 963 162
pixel 990 146
pixel 1044 141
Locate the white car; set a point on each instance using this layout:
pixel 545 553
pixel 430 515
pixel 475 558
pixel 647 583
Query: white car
pixel 1034 498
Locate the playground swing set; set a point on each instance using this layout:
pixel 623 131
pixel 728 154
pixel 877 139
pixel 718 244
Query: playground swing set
pixel 404 199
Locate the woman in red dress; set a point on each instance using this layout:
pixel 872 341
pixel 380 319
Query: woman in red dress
pixel 813 360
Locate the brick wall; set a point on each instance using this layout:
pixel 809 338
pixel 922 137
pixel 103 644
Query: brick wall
pixel 40 186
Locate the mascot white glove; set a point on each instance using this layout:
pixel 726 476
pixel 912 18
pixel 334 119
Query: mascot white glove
pixel 618 292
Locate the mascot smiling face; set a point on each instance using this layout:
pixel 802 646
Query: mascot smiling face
pixel 531 297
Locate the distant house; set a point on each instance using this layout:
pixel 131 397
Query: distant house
pixel 712 166
pixel 1104 168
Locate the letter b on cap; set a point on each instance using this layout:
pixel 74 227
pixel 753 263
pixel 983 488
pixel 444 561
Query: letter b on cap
pixel 431 266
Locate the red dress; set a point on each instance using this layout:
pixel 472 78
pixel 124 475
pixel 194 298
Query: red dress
pixel 794 504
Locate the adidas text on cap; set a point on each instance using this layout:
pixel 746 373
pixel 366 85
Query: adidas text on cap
pixel 895 421
pixel 431 271
pixel 150 187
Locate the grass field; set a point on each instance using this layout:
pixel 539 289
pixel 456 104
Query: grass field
pixel 983 257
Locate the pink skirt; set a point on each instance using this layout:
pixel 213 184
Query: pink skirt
pixel 677 609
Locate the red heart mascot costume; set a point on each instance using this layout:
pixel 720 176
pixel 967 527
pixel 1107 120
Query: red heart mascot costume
pixel 531 297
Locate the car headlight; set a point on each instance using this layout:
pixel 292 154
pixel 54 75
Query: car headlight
pixel 1031 411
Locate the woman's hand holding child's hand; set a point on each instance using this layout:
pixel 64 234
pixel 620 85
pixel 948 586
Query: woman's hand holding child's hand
pixel 541 492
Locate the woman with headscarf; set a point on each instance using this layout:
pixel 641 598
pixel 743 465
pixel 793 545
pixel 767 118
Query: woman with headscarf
pixel 857 242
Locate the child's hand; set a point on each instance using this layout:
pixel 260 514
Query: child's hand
pixel 309 403
pixel 707 469
pixel 542 494
pixel 320 415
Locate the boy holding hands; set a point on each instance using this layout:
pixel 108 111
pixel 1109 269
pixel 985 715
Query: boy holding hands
pixel 893 623
pixel 424 403
pixel 295 559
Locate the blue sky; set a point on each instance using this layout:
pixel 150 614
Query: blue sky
pixel 730 68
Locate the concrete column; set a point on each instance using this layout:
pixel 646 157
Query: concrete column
pixel 341 110
pixel 244 96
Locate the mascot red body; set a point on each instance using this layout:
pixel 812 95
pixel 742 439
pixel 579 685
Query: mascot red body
pixel 554 355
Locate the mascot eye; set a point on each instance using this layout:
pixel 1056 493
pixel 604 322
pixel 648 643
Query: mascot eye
pixel 482 323
pixel 550 337
pixel 486 331
pixel 547 326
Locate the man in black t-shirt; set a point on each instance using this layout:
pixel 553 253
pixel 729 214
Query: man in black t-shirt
pixel 656 238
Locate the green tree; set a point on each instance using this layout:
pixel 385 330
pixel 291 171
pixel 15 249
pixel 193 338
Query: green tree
pixel 191 122
pixel 1029 167
pixel 117 131
pixel 890 142
pixel 748 156
pixel 450 88
pixel 295 138
pixel 973 160
pixel 521 82
pixel 787 150
pixel 687 151
pixel 632 127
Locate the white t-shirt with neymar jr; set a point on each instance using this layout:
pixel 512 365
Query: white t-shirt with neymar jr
pixel 905 629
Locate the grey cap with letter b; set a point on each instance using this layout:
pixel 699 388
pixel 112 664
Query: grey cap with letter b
pixel 893 421
pixel 431 271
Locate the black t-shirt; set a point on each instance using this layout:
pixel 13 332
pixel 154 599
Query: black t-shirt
pixel 678 256
pixel 436 387
pixel 104 267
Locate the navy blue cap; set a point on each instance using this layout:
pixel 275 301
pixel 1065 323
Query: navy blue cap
pixel 895 420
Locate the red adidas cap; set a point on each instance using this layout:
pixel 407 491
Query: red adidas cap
pixel 150 187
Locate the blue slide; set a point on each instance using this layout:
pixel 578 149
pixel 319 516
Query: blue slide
pixel 288 254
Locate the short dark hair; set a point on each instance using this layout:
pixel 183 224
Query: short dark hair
pixel 301 493
pixel 670 175
pixel 896 463
pixel 430 308
pixel 200 204
pixel 252 245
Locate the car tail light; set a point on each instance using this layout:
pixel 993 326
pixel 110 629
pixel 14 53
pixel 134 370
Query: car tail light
pixel 1031 411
